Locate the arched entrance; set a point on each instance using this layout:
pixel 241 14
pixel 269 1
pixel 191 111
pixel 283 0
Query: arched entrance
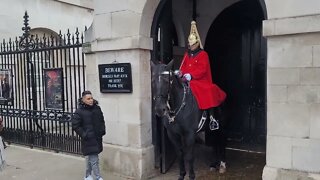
pixel 232 35
pixel 237 51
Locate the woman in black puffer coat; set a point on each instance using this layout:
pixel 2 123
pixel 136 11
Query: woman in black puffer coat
pixel 88 122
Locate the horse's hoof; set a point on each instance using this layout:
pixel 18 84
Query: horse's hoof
pixel 222 167
pixel 222 170
pixel 192 177
pixel 181 178
pixel 214 166
pixel 213 169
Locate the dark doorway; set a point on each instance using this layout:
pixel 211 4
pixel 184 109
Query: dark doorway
pixel 237 52
pixel 165 38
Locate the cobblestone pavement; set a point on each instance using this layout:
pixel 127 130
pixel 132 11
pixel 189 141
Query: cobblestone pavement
pixel 240 166
pixel 24 163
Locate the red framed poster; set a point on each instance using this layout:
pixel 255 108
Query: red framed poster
pixel 53 82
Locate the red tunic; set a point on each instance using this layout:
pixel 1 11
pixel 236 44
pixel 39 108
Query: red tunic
pixel 205 91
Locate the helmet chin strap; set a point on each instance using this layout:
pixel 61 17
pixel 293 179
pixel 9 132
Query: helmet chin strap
pixel 194 46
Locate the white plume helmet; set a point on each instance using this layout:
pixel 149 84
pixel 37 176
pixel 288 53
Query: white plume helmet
pixel 194 36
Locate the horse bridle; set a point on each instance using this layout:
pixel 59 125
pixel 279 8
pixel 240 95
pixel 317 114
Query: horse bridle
pixel 171 114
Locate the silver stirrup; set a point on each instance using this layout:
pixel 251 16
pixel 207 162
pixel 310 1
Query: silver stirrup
pixel 213 124
pixel 202 121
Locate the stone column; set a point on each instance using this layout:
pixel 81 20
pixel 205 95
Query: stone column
pixel 293 94
pixel 120 34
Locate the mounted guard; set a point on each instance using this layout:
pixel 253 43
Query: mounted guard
pixel 195 69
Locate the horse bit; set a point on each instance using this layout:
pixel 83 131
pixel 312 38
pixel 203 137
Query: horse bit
pixel 171 115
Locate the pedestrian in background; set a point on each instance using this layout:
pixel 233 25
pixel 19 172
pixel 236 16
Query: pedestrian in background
pixel 2 159
pixel 1 133
pixel 88 122
pixel 5 88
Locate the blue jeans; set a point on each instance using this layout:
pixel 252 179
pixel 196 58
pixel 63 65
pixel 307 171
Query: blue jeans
pixel 92 165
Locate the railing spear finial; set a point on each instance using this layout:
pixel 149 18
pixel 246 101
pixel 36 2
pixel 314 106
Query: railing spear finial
pixel 26 40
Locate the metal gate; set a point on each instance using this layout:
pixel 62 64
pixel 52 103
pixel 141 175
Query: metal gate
pixel 42 77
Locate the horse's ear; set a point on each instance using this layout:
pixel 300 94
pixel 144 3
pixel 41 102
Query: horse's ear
pixel 170 65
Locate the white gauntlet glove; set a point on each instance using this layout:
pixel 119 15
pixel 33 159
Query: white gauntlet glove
pixel 187 76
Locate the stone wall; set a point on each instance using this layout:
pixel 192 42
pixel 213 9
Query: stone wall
pixel 49 14
pixel 121 34
pixel 293 80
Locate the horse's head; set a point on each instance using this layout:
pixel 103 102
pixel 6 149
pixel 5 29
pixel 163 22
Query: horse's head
pixel 161 82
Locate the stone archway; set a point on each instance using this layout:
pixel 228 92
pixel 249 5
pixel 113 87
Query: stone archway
pixel 238 59
pixel 291 73
pixel 181 28
pixel 293 66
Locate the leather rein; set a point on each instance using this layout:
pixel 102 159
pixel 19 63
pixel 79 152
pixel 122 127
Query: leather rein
pixel 171 114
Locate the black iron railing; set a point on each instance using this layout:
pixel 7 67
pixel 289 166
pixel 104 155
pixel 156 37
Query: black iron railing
pixel 41 79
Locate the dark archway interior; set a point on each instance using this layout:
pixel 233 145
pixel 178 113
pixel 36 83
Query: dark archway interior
pixel 237 52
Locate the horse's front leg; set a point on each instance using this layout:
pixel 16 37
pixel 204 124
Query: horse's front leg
pixel 177 143
pixel 182 167
pixel 189 153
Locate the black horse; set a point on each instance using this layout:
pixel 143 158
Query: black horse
pixel 177 107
